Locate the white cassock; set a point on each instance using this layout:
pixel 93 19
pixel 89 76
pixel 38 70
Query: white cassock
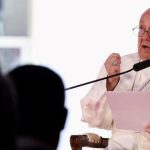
pixel 96 112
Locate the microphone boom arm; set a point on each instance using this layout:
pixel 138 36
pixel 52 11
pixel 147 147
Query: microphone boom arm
pixel 72 87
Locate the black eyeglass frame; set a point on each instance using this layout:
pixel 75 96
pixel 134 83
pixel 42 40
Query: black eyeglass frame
pixel 138 31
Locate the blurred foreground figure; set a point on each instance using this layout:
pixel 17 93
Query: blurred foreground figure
pixel 7 114
pixel 41 110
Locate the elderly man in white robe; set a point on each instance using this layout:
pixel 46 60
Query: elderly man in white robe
pixel 95 109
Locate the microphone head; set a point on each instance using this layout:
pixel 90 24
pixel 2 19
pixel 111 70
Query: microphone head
pixel 141 65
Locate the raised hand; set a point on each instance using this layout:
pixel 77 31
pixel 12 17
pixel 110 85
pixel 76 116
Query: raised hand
pixel 112 65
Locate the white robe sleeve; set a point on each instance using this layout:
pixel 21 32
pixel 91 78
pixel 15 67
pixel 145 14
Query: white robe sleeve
pixel 95 109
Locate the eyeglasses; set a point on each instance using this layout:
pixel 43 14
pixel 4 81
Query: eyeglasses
pixel 138 31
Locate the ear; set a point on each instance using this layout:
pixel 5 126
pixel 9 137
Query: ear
pixel 65 117
pixel 62 118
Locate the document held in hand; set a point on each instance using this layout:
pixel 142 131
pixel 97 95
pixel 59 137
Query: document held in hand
pixel 130 109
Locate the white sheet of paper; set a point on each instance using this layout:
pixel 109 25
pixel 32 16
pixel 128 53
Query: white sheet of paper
pixel 130 110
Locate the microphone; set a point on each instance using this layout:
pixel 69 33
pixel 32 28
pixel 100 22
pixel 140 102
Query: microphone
pixel 141 65
pixel 136 67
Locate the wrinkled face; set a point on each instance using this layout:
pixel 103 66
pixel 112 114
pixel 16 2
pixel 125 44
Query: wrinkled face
pixel 144 40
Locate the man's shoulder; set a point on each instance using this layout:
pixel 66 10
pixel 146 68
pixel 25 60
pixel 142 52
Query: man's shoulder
pixel 132 57
pixel 127 61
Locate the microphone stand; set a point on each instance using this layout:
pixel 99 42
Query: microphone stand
pixel 72 87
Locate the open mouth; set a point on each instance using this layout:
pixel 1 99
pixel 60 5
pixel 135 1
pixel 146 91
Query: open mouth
pixel 146 47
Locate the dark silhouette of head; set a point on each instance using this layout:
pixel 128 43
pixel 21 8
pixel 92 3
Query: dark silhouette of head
pixel 7 114
pixel 41 110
